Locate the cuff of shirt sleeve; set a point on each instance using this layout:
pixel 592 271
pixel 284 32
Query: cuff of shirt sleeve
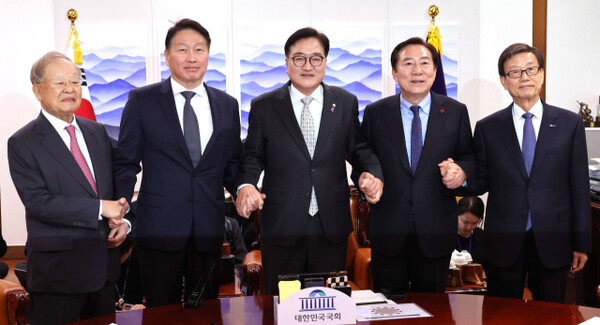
pixel 240 187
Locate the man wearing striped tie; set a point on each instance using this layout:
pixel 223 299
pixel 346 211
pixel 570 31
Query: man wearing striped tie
pixel 413 227
pixel 62 169
pixel 301 136
pixel 532 160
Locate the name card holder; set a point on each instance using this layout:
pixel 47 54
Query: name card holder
pixel 315 305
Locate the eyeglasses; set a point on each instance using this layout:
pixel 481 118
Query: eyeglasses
pixel 531 71
pixel 300 60
pixel 60 82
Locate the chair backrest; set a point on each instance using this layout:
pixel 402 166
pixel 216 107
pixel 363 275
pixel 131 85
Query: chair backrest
pixel 14 301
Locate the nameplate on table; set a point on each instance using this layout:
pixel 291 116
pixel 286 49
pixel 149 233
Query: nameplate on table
pixel 315 305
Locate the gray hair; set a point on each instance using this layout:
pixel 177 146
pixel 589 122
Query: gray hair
pixel 38 68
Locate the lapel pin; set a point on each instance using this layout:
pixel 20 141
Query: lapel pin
pixel 552 125
pixel 333 107
pixel 442 111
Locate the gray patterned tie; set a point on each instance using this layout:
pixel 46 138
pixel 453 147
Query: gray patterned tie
pixel 191 130
pixel 308 132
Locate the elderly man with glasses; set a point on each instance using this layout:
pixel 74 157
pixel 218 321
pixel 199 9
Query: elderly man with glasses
pixel 301 135
pixel 532 161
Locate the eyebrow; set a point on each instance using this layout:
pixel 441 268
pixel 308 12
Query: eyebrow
pixel 518 67
pixel 415 59
pixel 308 54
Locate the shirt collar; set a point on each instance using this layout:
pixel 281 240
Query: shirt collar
pixel 296 96
pixel 537 110
pixel 59 124
pixel 178 88
pixel 425 104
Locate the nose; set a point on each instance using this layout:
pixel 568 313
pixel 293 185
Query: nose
pixel 191 57
pixel 69 88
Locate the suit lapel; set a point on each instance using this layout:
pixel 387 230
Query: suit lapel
pixel 396 130
pixel 328 118
pixel 57 148
pixel 435 124
pixel 546 135
pixel 507 134
pixel 96 155
pixel 216 111
pixel 167 103
pixel 285 110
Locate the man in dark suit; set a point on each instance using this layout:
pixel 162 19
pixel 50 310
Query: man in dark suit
pixel 301 135
pixel 532 161
pixel 413 227
pixel 187 137
pixel 61 167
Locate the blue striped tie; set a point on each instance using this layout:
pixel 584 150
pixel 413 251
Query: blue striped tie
pixel 528 151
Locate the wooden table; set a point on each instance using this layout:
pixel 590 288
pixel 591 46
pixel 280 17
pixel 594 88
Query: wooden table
pixel 446 309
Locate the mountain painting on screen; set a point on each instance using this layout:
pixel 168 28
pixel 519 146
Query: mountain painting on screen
pixel 353 63
pixel 111 73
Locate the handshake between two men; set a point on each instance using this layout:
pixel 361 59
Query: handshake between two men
pixel 114 211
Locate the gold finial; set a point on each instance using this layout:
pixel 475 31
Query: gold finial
pixel 433 11
pixel 72 15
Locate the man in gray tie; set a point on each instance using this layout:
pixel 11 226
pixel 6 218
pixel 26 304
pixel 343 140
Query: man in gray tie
pixel 301 136
pixel 187 137
pixel 532 161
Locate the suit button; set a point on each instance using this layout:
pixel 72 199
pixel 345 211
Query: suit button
pixel 307 194
pixel 529 190
pixel 312 170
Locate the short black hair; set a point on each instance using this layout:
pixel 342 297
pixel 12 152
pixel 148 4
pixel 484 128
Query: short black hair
pixel 415 41
pixel 472 204
pixel 515 49
pixel 306 32
pixel 184 24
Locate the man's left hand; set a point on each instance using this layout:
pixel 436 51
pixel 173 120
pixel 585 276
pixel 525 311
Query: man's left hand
pixel 453 175
pixel 117 235
pixel 579 259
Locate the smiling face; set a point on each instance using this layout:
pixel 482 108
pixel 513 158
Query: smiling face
pixel 306 78
pixel 59 92
pixel 524 90
pixel 187 58
pixel 414 72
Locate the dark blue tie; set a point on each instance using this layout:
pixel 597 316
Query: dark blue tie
pixel 191 130
pixel 528 151
pixel 416 139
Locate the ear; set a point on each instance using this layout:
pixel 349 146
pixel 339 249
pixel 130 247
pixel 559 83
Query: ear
pixel 503 82
pixel 167 57
pixel 37 91
pixel 394 75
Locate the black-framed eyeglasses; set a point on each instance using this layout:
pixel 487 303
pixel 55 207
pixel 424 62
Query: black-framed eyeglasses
pixel 531 71
pixel 300 60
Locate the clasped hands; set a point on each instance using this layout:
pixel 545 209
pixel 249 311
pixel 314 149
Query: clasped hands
pixel 114 211
pixel 452 175
pixel 371 186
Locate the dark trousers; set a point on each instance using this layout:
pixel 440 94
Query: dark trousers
pixel 312 253
pixel 162 273
pixel 54 309
pixel 545 284
pixel 410 270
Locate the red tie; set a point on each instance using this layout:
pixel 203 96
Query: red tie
pixel 76 152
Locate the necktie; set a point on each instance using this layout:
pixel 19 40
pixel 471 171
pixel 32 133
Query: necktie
pixel 76 152
pixel 191 130
pixel 416 139
pixel 308 132
pixel 528 151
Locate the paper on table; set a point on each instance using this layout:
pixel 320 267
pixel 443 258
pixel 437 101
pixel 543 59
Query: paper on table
pixel 390 311
pixel 365 297
pixel 592 321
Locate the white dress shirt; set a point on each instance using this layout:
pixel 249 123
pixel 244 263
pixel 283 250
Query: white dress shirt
pixel 315 106
pixel 537 110
pixel 201 107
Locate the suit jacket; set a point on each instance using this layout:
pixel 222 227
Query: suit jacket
pixel 556 192
pixel 176 199
pixel 275 144
pixel 66 245
pixel 421 197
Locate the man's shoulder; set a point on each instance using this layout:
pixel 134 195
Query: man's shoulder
pixel 26 132
pixel 338 91
pixel 148 90
pixel 446 101
pixel 219 94
pixel 390 101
